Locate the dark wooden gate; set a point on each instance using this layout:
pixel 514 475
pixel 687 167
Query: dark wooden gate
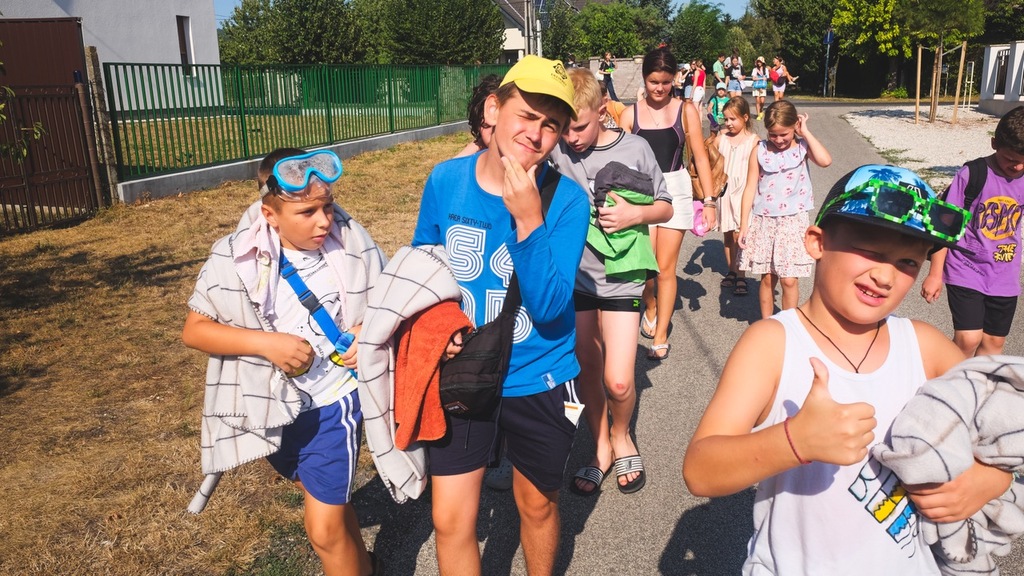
pixel 52 182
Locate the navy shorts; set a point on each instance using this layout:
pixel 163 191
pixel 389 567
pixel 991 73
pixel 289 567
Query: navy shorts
pixel 973 310
pixel 584 302
pixel 538 437
pixel 321 448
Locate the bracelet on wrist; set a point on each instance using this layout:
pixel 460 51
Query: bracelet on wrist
pixel 785 426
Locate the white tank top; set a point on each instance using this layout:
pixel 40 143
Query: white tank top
pixel 836 520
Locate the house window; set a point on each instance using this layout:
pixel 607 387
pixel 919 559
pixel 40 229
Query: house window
pixel 185 45
pixel 1000 71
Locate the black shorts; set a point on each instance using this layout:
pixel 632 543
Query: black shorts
pixel 584 302
pixel 973 310
pixel 538 437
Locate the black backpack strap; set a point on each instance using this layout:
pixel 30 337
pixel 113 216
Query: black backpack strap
pixel 977 174
pixel 549 182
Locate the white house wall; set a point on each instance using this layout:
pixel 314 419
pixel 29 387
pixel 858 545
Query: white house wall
pixel 1012 95
pixel 514 39
pixel 132 30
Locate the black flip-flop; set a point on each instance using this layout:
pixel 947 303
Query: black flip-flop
pixel 628 465
pixel 591 474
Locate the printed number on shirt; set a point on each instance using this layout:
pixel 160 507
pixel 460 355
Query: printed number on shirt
pixel 466 249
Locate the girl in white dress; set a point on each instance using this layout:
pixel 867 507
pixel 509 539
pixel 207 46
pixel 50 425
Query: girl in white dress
pixel 735 143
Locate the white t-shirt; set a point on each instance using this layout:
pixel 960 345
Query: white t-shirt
pixel 326 381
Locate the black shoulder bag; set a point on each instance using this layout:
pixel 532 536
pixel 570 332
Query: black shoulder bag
pixel 471 381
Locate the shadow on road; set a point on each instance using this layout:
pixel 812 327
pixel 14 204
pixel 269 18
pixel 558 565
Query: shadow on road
pixel 711 539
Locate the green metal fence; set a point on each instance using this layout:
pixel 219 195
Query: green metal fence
pixel 168 118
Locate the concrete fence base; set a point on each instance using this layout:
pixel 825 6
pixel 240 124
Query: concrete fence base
pixel 202 178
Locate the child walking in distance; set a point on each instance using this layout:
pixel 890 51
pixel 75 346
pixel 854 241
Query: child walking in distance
pixel 716 105
pixel 776 201
pixel 286 376
pixel 983 280
pixel 486 210
pixel 805 394
pixel 607 296
pixel 735 143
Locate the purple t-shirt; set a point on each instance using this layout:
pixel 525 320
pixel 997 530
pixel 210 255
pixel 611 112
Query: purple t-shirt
pixel 993 234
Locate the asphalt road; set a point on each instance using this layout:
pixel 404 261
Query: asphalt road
pixel 662 529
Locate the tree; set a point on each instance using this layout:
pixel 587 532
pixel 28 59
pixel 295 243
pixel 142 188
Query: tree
pixel 244 37
pixel 662 7
pixel 868 27
pixel 763 35
pixel 1004 21
pixel 562 36
pixel 311 31
pixel 802 25
pixel 610 28
pixel 445 31
pixel 941 21
pixel 697 32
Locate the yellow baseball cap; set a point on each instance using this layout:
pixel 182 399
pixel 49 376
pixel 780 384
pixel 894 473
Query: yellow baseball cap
pixel 542 76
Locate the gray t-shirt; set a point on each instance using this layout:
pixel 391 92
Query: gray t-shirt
pixel 635 153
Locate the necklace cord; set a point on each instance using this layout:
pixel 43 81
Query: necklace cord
pixel 856 367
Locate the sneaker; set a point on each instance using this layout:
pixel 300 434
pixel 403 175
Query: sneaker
pixel 760 116
pixel 500 478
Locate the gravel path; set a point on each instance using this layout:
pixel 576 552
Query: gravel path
pixel 933 150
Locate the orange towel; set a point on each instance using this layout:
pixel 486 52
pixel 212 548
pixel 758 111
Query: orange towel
pixel 422 340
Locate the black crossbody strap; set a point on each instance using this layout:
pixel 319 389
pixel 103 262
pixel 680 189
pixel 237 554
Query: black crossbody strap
pixel 549 182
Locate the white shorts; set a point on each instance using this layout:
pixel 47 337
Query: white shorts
pixel 698 95
pixel 780 88
pixel 759 92
pixel 679 186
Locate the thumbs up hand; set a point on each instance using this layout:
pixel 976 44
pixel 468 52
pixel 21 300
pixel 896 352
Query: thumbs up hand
pixel 825 430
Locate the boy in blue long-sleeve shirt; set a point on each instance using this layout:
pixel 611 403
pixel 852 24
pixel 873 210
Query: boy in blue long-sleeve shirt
pixel 486 210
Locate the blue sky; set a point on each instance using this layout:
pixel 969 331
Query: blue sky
pixel 224 8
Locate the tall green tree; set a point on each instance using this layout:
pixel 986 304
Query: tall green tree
pixel 662 7
pixel 697 32
pixel 445 31
pixel 762 34
pixel 868 27
pixel 562 36
pixel 941 21
pixel 610 28
pixel 311 31
pixel 802 25
pixel 1004 21
pixel 245 36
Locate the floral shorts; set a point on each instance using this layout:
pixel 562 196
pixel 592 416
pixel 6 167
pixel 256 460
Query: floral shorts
pixel 775 244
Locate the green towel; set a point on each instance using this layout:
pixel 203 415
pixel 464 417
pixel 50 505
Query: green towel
pixel 628 254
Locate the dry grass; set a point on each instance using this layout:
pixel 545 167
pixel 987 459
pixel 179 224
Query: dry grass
pixel 100 401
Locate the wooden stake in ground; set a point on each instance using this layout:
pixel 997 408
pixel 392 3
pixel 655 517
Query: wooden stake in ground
pixel 959 78
pixel 917 93
pixel 936 75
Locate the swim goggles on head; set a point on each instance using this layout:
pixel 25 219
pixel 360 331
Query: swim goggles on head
pixel 292 174
pixel 900 204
